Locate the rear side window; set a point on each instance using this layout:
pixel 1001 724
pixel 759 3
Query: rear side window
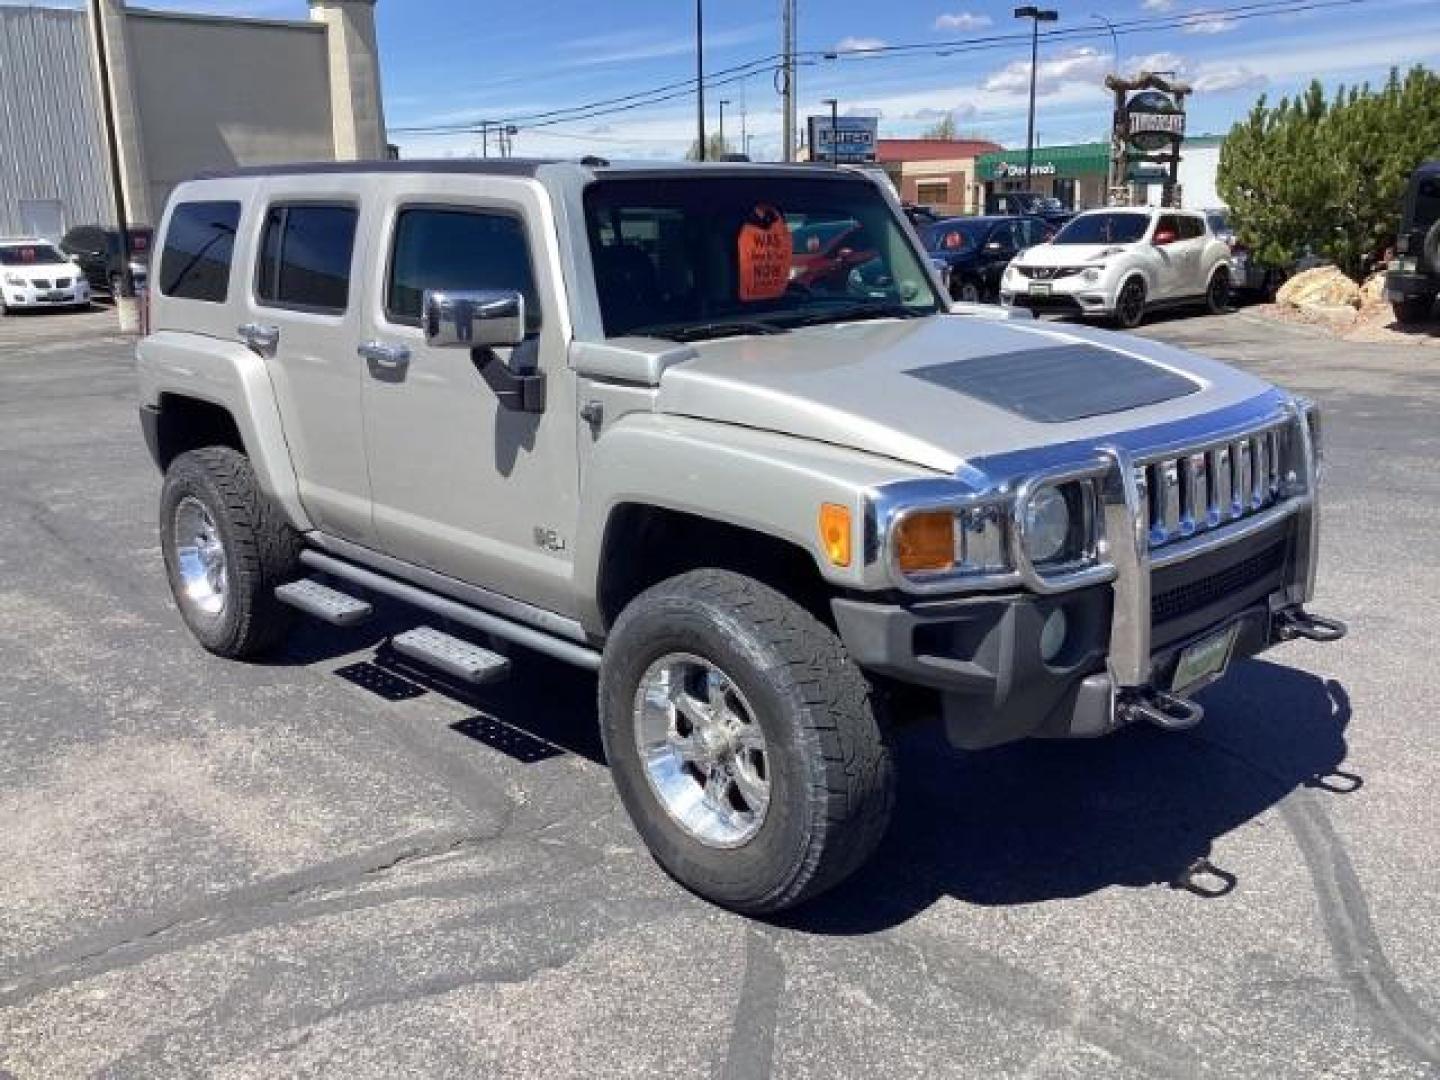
pixel 199 246
pixel 457 249
pixel 1191 228
pixel 305 257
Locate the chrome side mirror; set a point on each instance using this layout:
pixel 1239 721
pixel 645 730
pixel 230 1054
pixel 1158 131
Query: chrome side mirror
pixel 473 319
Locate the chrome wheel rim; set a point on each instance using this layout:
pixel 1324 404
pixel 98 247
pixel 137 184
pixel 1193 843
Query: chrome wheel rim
pixel 200 558
pixel 703 752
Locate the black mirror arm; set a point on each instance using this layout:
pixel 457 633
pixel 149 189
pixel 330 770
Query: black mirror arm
pixel 519 393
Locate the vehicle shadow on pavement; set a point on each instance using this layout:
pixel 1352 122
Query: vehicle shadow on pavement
pixel 1041 821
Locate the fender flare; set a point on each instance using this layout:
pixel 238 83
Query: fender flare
pixel 230 376
pixel 757 480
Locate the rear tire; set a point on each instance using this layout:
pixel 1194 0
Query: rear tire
pixel 806 717
pixel 1413 309
pixel 1130 304
pixel 226 546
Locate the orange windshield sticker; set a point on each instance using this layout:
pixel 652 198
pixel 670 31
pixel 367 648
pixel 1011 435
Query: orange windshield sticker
pixel 764 255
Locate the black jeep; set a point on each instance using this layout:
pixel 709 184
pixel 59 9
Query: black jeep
pixel 1414 277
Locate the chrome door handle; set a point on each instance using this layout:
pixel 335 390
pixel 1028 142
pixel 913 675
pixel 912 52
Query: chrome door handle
pixel 259 336
pixel 385 356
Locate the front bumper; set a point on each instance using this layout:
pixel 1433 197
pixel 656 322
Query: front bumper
pixel 1068 296
pixel 1121 642
pixel 29 297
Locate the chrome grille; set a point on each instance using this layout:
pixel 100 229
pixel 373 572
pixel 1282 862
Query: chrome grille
pixel 1209 487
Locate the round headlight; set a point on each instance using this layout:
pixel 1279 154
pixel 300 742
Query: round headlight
pixel 1047 525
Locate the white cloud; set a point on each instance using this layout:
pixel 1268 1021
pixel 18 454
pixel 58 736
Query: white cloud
pixel 1203 22
pixel 1220 78
pixel 963 20
pixel 1157 5
pixel 858 44
pixel 1160 61
pixel 1082 64
pixel 629 46
pixel 965 111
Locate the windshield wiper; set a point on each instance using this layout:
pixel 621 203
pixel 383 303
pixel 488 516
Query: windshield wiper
pixel 854 313
pixel 700 331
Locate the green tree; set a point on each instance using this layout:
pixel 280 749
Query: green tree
pixel 1328 176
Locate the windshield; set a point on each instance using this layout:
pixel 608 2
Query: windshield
pixel 30 255
pixel 691 257
pixel 1104 229
pixel 956 235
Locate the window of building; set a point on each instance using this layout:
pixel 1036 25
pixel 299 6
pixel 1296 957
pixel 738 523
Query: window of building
pixel 199 246
pixel 458 250
pixel 930 192
pixel 305 257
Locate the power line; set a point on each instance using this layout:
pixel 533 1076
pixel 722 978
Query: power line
pixel 682 88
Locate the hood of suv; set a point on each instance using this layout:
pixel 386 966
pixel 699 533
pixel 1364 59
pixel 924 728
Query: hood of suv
pixel 938 391
pixel 1068 254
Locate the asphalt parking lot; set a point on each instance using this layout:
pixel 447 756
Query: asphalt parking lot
pixel 317 868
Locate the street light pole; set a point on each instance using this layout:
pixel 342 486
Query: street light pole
pixel 1036 16
pixel 124 303
pixel 1114 39
pixel 700 78
pixel 834 104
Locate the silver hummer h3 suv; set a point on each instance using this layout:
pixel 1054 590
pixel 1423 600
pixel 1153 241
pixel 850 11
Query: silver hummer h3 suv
pixel 655 422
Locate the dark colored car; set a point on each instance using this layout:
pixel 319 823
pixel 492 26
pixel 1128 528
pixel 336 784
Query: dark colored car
pixel 976 250
pixel 920 216
pixel 97 250
pixel 1413 280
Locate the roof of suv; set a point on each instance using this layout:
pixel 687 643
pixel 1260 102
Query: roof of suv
pixel 524 167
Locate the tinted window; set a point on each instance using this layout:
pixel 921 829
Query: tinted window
pixel 1191 228
pixel 457 249
pixel 715 255
pixel 199 244
pixel 305 256
pixel 29 255
pixel 1104 228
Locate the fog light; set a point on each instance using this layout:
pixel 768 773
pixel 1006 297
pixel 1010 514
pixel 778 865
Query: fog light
pixel 1053 635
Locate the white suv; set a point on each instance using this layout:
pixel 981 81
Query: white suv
pixel 1121 263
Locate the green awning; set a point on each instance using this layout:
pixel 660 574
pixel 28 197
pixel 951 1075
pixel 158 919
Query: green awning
pixel 1073 161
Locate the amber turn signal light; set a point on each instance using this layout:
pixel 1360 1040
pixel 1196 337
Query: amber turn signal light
pixel 835 533
pixel 926 542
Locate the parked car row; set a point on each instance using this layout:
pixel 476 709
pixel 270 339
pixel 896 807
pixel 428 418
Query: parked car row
pixel 1117 264
pixel 39 274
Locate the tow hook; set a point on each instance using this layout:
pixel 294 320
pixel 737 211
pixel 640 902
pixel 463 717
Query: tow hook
pixel 1292 623
pixel 1159 708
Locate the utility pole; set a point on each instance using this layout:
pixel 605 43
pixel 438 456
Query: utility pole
pixel 723 103
pixel 834 104
pixel 700 78
pixel 1036 17
pixel 787 78
pixel 125 302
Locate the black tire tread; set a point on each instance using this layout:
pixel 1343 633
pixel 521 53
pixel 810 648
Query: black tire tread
pixel 264 547
pixel 851 768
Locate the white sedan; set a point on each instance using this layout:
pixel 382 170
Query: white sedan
pixel 35 274
pixel 1121 263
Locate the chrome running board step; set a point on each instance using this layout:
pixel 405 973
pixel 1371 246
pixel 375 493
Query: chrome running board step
pixel 456 658
pixel 1161 709
pixel 327 604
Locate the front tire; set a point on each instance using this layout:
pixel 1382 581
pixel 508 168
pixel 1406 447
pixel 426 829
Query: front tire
pixel 742 741
pixel 226 546
pixel 1130 304
pixel 1217 294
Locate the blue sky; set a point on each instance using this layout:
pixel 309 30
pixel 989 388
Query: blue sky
pixel 449 61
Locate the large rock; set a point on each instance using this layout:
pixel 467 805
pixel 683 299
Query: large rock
pixel 1324 286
